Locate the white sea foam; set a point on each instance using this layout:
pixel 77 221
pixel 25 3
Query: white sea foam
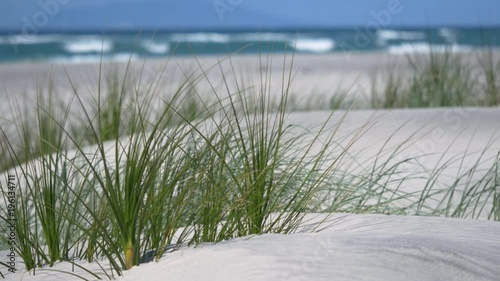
pixel 421 47
pixel 385 35
pixel 156 47
pixel 81 59
pixel 262 37
pixel 88 45
pixel 319 45
pixel 201 37
pixel 449 34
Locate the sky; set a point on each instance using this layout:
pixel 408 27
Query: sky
pixel 102 15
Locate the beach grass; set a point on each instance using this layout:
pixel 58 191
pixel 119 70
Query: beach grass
pixel 441 78
pixel 141 173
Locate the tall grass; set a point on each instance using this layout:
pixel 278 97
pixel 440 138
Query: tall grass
pixel 441 78
pixel 162 177
pixel 45 203
pixel 142 183
pixel 489 66
pixel 273 174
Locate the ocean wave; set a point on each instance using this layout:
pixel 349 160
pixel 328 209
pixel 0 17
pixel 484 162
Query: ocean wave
pixel 78 59
pixel 385 35
pixel 409 48
pixel 91 45
pixel 156 47
pixel 29 39
pixel 262 37
pixel 201 37
pixel 319 45
pixel 388 34
pixel 448 34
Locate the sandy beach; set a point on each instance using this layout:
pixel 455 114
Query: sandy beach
pixel 349 247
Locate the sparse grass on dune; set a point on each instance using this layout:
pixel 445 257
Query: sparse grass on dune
pixel 442 78
pixel 138 174
pixel 489 71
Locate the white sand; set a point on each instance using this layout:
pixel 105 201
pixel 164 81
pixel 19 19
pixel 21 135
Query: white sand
pixel 353 247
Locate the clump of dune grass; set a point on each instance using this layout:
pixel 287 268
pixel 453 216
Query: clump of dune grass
pixel 391 92
pixel 171 173
pixel 264 173
pixel 441 78
pixel 44 236
pixel 489 69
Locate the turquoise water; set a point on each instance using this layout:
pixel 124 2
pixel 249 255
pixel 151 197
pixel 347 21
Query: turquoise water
pixel 86 47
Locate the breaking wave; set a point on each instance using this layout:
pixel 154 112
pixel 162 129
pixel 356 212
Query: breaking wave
pixel 88 46
pixel 421 47
pixel 156 47
pixel 201 37
pixel 320 45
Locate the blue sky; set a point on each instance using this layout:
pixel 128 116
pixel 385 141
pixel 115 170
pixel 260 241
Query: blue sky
pixel 258 14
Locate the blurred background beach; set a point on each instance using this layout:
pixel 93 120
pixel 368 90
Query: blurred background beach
pixel 65 31
pixel 356 48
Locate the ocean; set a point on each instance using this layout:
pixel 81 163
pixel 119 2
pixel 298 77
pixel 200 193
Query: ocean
pixel 121 46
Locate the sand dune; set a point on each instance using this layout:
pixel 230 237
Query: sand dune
pixel 365 247
pixel 349 247
pixel 356 247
